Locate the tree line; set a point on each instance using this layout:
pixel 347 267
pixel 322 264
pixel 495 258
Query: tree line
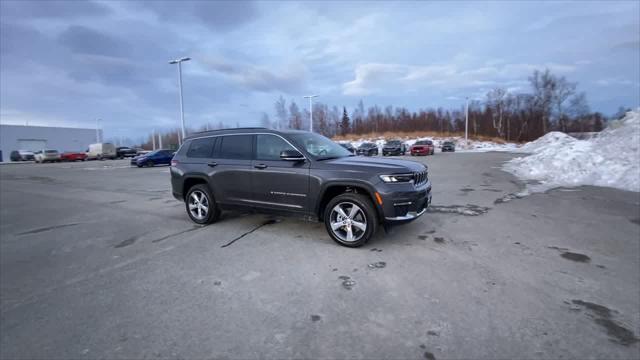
pixel 552 104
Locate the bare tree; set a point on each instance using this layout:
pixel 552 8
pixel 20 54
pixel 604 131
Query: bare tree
pixel 562 92
pixel 281 112
pixel 295 117
pixel 496 103
pixel 265 121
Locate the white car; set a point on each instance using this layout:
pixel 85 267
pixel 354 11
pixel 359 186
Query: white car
pixel 47 155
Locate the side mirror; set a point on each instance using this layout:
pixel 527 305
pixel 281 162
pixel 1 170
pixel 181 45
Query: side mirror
pixel 291 155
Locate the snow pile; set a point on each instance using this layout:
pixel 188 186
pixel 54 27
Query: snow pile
pixel 610 159
pixel 554 138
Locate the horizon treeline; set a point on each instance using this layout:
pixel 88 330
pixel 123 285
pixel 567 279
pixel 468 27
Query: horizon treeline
pixel 551 104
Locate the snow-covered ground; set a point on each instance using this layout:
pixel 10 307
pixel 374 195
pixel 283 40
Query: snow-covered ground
pixel 612 158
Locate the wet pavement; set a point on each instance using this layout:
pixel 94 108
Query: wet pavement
pixel 97 260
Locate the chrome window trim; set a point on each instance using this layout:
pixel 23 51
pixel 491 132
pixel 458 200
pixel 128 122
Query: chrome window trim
pixel 260 133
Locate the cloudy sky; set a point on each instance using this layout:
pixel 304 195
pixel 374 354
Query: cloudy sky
pixel 68 63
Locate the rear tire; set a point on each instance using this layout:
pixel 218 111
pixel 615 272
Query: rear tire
pixel 364 216
pixel 150 164
pixel 201 206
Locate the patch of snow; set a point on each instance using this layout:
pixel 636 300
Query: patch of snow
pixel 611 159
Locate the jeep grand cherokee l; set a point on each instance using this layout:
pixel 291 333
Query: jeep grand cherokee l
pixel 297 173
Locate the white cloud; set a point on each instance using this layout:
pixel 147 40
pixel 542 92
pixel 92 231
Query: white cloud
pixel 376 78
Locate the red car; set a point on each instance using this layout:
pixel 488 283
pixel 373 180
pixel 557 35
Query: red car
pixel 422 147
pixel 73 156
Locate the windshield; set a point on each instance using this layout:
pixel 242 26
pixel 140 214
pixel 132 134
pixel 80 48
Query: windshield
pixel 393 142
pixel 50 151
pixel 448 143
pixel 366 145
pixel 423 142
pixel 319 146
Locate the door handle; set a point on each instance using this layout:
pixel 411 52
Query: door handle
pixel 212 164
pixel 260 166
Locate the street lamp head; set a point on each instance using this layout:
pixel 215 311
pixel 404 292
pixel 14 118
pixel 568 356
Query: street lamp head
pixel 179 60
pixel 310 96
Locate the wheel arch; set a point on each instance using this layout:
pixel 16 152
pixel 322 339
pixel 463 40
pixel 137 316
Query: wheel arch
pixel 335 188
pixel 191 181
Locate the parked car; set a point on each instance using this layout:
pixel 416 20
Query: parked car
pixel 49 155
pixel 21 155
pixel 101 151
pixel 394 147
pixel 298 173
pixel 349 147
pixel 124 152
pixel 73 156
pixel 158 157
pixel 422 147
pixel 142 151
pixel 367 149
pixel 448 146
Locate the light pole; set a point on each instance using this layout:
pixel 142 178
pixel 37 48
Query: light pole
pixel 310 97
pixel 466 123
pixel 179 62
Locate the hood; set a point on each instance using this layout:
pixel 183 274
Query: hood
pixel 383 165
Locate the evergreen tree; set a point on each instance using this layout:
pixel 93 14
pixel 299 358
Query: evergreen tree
pixel 345 123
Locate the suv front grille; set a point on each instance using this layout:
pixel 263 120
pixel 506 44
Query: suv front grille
pixel 420 177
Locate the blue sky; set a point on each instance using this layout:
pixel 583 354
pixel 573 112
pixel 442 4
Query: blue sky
pixel 68 63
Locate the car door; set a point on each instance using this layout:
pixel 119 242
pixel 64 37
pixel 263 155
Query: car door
pixel 230 174
pixel 277 183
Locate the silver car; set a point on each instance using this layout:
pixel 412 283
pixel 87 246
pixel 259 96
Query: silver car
pixel 47 155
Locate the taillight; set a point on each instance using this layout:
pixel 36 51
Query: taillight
pixel 174 162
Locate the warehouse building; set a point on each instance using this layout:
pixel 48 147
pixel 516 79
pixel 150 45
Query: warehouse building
pixel 34 138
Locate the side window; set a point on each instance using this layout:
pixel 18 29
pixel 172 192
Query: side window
pixel 235 147
pixel 201 148
pixel 269 147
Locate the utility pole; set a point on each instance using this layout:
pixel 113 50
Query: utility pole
pixel 153 138
pixel 179 62
pixel 310 97
pixel 159 141
pixel 466 123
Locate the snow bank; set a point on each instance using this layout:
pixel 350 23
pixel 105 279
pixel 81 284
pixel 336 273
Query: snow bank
pixel 554 138
pixel 610 159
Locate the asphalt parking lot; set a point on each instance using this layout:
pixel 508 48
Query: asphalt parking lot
pixel 98 260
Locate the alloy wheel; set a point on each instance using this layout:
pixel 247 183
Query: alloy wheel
pixel 198 205
pixel 348 222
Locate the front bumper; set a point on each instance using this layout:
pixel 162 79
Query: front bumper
pixel 391 152
pixel 404 202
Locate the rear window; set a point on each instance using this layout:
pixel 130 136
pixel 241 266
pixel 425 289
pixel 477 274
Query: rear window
pixel 236 147
pixel 201 148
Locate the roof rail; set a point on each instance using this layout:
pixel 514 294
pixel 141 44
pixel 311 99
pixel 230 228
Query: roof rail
pixel 227 129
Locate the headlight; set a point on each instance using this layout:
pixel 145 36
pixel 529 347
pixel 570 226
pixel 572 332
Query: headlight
pixel 396 178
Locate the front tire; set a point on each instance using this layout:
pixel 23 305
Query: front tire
pixel 350 219
pixel 200 205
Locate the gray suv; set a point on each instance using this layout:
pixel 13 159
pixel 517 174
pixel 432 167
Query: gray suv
pixel 297 173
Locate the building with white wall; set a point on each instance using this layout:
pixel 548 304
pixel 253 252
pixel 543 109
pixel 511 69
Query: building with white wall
pixel 34 138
